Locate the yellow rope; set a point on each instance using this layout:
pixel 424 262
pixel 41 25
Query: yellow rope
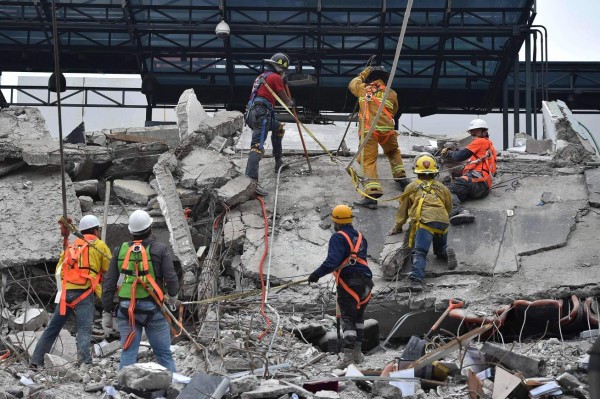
pixel 356 179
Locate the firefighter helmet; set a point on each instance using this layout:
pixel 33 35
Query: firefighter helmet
pixel 377 72
pixel 425 165
pixel 279 61
pixel 342 214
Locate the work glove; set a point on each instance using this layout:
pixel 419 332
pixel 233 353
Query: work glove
pixel 172 303
pixel 445 152
pixel 107 323
pixel 313 278
pixel 395 230
pixel 363 75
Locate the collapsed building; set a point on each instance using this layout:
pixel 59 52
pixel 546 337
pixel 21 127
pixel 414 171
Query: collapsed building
pixel 527 268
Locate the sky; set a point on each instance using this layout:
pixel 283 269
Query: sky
pixel 573 32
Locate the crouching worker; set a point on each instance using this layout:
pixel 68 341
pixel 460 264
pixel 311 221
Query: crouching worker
pixel 82 266
pixel 347 261
pixel 427 202
pixel 141 267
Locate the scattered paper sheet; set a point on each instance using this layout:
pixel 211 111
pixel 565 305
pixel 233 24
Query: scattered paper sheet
pixel 407 387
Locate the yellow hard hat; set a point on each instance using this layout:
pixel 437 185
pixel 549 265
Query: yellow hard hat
pixel 342 214
pixel 425 165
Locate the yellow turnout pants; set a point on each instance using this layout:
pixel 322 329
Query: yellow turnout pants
pixel 368 160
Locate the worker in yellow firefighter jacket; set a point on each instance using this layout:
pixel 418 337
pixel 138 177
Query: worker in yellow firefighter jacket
pixel 369 87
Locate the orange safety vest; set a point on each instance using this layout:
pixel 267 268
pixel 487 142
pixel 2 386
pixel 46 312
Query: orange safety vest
pixel 351 260
pixel 371 91
pixel 485 165
pixel 76 270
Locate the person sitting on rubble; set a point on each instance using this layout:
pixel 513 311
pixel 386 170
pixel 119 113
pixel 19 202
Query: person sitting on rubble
pixel 139 270
pixel 476 179
pixel 347 261
pixel 369 87
pixel 82 267
pixel 260 116
pixel 428 202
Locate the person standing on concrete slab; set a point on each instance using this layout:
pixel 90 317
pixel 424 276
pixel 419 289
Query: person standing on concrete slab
pixel 476 179
pixel 369 87
pixel 347 261
pixel 260 116
pixel 139 270
pixel 427 202
pixel 82 267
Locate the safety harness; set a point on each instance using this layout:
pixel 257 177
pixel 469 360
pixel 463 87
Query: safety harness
pixel 351 260
pixel 77 271
pixel 426 188
pixel 382 133
pixel 258 82
pixel 486 169
pixel 137 268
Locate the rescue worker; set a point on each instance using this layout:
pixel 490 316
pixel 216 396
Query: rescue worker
pixel 138 272
pixel 82 266
pixel 427 202
pixel 260 116
pixel 347 261
pixel 476 179
pixel 369 87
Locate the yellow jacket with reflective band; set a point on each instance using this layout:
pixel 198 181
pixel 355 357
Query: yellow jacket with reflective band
pixel 437 203
pixel 97 262
pixel 359 89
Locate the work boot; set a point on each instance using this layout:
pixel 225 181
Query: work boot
pixel 463 217
pixel 402 182
pixel 367 203
pixel 451 258
pixel 416 285
pixel 259 190
pixel 280 164
pixel 357 355
pixel 347 361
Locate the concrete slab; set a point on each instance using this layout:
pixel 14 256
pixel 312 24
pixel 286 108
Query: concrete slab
pixel 135 191
pixel 330 136
pixel 23 123
pixel 205 169
pixel 190 113
pixel 31 205
pixel 592 180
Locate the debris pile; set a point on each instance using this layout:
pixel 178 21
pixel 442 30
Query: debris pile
pixel 519 336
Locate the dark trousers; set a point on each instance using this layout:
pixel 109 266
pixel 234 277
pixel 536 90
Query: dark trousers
pixel 353 321
pixel 462 189
pixel 261 120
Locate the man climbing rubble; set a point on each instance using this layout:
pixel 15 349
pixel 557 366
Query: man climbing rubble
pixel 260 116
pixel 369 87
pixel 428 202
pixel 139 270
pixel 476 179
pixel 347 261
pixel 81 266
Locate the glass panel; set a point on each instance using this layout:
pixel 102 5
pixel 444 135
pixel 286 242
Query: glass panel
pixel 170 40
pixel 365 18
pixel 291 17
pixel 277 40
pixel 333 18
pixel 270 4
pixel 412 82
pixel 359 42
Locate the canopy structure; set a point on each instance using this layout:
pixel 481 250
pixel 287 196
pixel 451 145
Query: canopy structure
pixel 455 57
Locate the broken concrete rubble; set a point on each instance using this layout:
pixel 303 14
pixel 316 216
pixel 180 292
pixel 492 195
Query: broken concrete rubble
pixel 504 254
pixel 135 191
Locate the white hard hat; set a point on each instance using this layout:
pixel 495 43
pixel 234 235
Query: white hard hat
pixel 87 222
pixel 139 221
pixel 478 124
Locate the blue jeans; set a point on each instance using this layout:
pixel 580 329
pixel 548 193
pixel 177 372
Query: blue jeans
pixel 422 242
pixel 84 312
pixel 262 120
pixel 157 330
